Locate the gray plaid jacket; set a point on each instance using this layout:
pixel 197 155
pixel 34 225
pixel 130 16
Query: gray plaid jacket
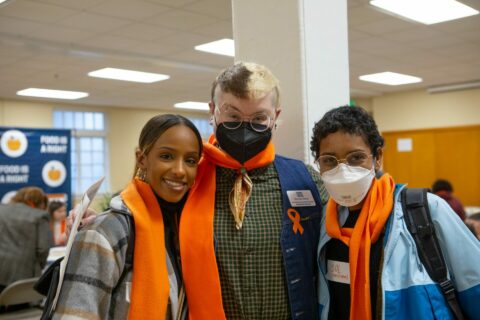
pixel 94 287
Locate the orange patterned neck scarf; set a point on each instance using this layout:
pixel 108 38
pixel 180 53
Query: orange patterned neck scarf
pixel 375 211
pixel 242 187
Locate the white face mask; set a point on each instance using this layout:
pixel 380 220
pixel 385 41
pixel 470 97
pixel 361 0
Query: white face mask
pixel 348 185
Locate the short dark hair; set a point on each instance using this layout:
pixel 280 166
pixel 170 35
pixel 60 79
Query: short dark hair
pixel 352 120
pixel 157 125
pixel 442 185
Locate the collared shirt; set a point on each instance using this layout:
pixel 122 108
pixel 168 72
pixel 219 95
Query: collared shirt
pixel 250 260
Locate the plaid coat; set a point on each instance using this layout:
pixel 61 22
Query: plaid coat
pixel 94 285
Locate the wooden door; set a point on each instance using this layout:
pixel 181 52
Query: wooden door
pixel 447 153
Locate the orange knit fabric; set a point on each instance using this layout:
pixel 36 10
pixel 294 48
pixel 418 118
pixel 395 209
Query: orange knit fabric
pixel 199 265
pixel 150 285
pixel 375 211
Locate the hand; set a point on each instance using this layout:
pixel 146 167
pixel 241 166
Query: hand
pixel 88 218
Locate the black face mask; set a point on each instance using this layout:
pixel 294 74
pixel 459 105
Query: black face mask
pixel 242 143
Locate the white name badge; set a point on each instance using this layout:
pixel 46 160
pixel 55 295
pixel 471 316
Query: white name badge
pixel 128 291
pixel 301 198
pixel 338 271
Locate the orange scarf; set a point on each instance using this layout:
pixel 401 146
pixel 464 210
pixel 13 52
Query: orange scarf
pixel 199 265
pixel 150 286
pixel 375 211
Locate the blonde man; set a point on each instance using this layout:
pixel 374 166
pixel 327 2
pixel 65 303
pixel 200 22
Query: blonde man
pixel 256 214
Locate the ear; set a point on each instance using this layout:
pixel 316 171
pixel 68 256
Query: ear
pixel 379 160
pixel 141 159
pixel 211 105
pixel 277 112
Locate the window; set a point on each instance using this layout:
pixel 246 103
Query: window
pixel 203 125
pixel 89 152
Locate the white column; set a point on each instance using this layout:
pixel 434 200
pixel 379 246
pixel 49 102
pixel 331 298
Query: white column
pixel 304 43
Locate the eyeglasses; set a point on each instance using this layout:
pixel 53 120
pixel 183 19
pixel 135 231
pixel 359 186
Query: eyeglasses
pixel 354 159
pixel 233 119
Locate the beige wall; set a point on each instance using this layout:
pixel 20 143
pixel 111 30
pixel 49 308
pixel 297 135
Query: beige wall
pixel 393 112
pixel 419 109
pixel 123 129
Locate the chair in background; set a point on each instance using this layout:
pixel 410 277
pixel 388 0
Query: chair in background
pixel 20 292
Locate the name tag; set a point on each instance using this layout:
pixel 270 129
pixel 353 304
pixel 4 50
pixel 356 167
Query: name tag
pixel 301 198
pixel 338 271
pixel 128 291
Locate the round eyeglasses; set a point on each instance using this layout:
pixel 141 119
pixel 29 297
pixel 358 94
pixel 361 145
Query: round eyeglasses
pixel 354 159
pixel 233 119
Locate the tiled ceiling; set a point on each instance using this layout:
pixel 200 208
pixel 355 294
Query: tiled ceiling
pixel 55 43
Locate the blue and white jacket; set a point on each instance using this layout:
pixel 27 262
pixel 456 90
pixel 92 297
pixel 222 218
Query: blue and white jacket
pixel 408 292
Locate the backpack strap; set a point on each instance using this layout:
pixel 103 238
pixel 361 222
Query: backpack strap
pixel 130 245
pixel 419 223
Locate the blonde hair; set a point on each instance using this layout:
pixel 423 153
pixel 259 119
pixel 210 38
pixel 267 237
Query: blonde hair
pixel 247 80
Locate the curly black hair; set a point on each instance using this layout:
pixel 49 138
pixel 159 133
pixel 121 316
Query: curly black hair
pixel 353 120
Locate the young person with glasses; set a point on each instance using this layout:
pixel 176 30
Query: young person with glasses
pixel 368 261
pixel 253 252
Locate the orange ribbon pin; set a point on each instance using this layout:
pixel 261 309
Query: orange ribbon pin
pixel 295 217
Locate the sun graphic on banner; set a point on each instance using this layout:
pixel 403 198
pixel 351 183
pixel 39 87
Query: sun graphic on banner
pixel 8 196
pixel 54 173
pixel 13 143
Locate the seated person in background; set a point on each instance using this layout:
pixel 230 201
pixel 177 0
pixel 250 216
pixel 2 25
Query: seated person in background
pixel 25 236
pixel 368 261
pixel 443 189
pixel 58 214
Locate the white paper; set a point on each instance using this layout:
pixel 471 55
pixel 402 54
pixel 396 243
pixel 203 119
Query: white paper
pixel 80 210
pixel 404 145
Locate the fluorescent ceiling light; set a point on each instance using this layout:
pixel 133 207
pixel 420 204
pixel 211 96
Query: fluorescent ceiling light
pixel 390 78
pixel 56 94
pixel 426 11
pixel 192 105
pixel 128 75
pixel 225 47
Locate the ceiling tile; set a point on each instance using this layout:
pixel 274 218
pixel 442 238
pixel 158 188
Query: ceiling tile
pixel 420 32
pixel 143 32
pixel 74 4
pixel 363 14
pixel 93 22
pixel 137 10
pixel 174 3
pixel 385 26
pixel 189 20
pixel 217 30
pixel 214 8
pixel 35 11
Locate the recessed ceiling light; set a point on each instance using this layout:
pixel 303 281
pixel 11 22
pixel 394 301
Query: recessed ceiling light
pixel 225 47
pixel 56 94
pixel 426 11
pixel 128 75
pixel 390 78
pixel 193 105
